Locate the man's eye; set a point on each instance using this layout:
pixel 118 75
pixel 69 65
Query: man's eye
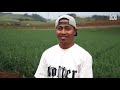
pixel 67 28
pixel 59 28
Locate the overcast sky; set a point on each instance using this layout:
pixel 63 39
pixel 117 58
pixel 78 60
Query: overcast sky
pixel 54 15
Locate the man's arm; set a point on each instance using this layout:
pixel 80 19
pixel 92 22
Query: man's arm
pixel 41 71
pixel 86 68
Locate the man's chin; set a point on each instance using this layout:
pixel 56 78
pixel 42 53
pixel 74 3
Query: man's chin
pixel 63 42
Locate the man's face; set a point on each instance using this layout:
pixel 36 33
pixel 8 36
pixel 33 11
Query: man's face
pixel 65 32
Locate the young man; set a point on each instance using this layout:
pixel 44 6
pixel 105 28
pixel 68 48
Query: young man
pixel 66 59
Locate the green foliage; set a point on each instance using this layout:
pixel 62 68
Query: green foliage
pixel 100 17
pixel 20 17
pixel 38 17
pixel 21 49
pixel 72 14
pixel 87 19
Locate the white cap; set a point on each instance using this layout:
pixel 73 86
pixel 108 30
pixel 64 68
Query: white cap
pixel 70 18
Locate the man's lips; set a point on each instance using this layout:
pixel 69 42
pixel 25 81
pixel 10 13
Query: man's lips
pixel 63 36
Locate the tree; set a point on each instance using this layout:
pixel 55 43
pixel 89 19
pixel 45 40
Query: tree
pixel 26 15
pixel 38 17
pixel 100 17
pixel 72 14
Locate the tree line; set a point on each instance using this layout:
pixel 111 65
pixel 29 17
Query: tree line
pixel 97 17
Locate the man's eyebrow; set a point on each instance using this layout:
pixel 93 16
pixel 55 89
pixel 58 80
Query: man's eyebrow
pixel 67 26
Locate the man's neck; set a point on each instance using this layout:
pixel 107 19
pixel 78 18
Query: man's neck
pixel 66 45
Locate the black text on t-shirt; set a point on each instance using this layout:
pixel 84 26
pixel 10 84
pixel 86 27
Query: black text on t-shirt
pixel 61 72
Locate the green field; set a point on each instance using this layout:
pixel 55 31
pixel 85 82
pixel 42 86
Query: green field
pixel 21 49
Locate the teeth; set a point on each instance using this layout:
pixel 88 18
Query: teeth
pixel 63 37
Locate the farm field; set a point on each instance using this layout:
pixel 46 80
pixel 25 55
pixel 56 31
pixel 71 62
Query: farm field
pixel 21 49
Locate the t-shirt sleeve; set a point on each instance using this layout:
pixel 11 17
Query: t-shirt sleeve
pixel 41 71
pixel 86 68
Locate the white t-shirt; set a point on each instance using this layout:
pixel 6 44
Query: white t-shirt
pixel 74 62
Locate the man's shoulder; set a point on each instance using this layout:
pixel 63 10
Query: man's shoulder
pixel 82 50
pixel 51 49
pixel 79 48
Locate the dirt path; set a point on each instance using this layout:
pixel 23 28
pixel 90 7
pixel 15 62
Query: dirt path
pixel 9 75
pixel 91 27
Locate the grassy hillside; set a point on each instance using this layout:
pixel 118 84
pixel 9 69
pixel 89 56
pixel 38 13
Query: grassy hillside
pixel 27 20
pixel 19 19
pixel 13 17
pixel 8 20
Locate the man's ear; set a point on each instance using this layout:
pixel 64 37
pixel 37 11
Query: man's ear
pixel 76 29
pixel 75 32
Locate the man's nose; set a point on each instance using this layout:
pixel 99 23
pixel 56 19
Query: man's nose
pixel 63 31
